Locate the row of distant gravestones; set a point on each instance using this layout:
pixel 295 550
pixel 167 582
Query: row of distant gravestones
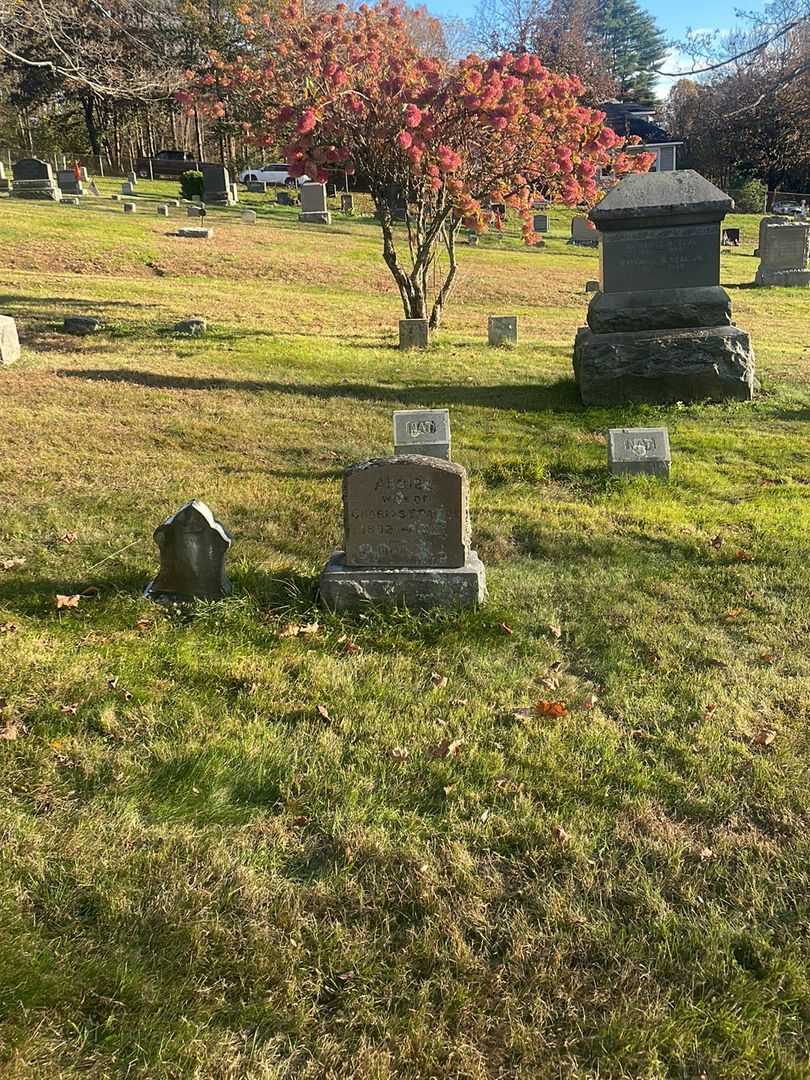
pixel 406 535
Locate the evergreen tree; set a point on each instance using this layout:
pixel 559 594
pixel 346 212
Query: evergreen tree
pixel 632 45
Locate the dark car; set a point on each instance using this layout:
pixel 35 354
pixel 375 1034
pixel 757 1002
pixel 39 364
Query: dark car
pixel 166 165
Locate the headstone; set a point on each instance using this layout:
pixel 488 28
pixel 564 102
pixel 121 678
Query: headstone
pixel 730 237
pixel 660 328
pixel 313 205
pixel 422 431
pixel 234 193
pixel 81 324
pixel 217 187
pixel 195 211
pixel 194 327
pixel 406 538
pixel 285 198
pixel 784 251
pixel 5 183
pixel 115 197
pixel 132 179
pixel 69 185
pixel 163 210
pixel 9 341
pixel 196 234
pixel 193 546
pixel 346 203
pixel 591 286
pixel 582 233
pixel 502 330
pixel 249 217
pixel 472 238
pixel 257 187
pixel 130 207
pixel 541 223
pixel 127 188
pixel 33 179
pixel 84 174
pixel 637 451
pixel 413 334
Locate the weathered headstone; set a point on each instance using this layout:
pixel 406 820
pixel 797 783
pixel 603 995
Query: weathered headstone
pixel 730 237
pixel 9 341
pixel 194 327
pixel 285 198
pixel 784 251
pixel 196 234
pixel 81 324
pixel 313 205
pixel 346 203
pixel 414 334
pixel 637 451
pixel 127 188
pixel 660 329
pixel 162 210
pixel 33 179
pixel 130 207
pixel 582 233
pixel 472 238
pixel 502 330
pixel 68 183
pixel 193 546
pixel 217 187
pixel 257 187
pixel 132 179
pixel 249 217
pixel 406 538
pixel 540 223
pixel 422 431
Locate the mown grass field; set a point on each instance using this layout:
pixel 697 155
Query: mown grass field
pixel 204 875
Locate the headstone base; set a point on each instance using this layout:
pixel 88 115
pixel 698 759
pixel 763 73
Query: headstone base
pixel 660 367
pixel 196 234
pixel 345 588
pixel 659 309
pixel 782 277
pixel 316 218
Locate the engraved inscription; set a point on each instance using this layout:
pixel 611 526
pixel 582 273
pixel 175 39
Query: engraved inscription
pixel 661 258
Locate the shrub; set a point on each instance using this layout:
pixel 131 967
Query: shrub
pixel 750 197
pixel 191 184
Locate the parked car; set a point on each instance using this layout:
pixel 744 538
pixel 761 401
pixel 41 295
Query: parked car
pixel 270 174
pixel 166 164
pixel 788 208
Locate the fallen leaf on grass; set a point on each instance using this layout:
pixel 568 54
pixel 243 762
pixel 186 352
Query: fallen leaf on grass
pixel 67 601
pixel 290 630
pixel 733 613
pixel 743 556
pixel 9 628
pixel 144 624
pixel 11 564
pixel 550 682
pixel 67 538
pixel 763 737
pixel 709 712
pixel 446 748
pixel 706 854
pixel 767 657
pixel 550 708
pixel 506 628
pixel 323 712
pixel 71 710
pixel 9 732
pixel 400 753
pixel 555 631
pixel 310 628
pixel 560 834
pixel 439 681
pixel 716 541
pixel 352 648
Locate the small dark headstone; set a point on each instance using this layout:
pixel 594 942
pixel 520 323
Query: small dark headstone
pixel 193 546
pixel 81 324
pixel 591 286
pixel 194 327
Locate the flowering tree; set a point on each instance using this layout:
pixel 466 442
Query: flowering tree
pixel 350 91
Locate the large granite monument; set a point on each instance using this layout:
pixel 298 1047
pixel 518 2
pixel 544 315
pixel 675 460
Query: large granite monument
pixel 406 538
pixel 659 329
pixel 784 252
pixel 217 187
pixel 33 179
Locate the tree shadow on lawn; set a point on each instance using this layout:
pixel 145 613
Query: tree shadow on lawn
pixel 559 396
pixel 35 597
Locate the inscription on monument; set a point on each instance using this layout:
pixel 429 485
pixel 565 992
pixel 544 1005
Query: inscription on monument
pixel 407 511
pixel 639 450
pixel 422 431
pixel 661 258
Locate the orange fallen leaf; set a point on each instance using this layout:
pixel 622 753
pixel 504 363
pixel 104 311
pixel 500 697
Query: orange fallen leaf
pixel 743 556
pixel 446 748
pixel 763 737
pixel 560 834
pixel 62 601
pixel 324 713
pixel 550 708
pixel 766 657
pixel 439 681
pixel 506 628
pixel 733 613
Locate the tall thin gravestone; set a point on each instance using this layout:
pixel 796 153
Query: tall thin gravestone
pixel 193 546
pixel 660 328
pixel 406 538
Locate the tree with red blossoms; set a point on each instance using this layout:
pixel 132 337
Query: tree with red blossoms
pixel 350 91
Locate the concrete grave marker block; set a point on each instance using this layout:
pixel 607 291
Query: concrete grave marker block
pixel 639 451
pixel 249 217
pixel 313 205
pixel 502 330
pixel 784 249
pixel 193 546
pixel 9 341
pixel 406 538
pixel 414 334
pixel 422 431
pixel 194 327
pixel 130 207
pixel 196 234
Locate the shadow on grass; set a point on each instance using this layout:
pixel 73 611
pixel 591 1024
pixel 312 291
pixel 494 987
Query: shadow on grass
pixel 560 396
pixel 36 596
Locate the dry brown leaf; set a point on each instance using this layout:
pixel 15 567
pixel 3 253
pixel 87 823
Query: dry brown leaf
pixel 324 713
pixel 446 748
pixel 560 834
pixel 144 624
pixel 550 682
pixel 352 648
pixel 9 628
pixel 70 709
pixel 439 681
pixel 12 563
pixel 600 438
pixel 716 541
pixel 400 753
pixel 9 732
pixel 706 854
pixel 506 628
pixel 555 631
pixel 709 712
pixel 767 657
pixel 743 556
pixel 67 601
pixel 550 708
pixel 590 701
pixel 290 630
pixel 67 538
pixel 310 628
pixel 763 737
pixel 733 613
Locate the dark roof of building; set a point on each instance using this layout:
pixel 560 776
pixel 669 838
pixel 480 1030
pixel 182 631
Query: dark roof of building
pixel 630 118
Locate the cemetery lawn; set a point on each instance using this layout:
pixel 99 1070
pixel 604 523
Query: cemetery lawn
pixel 567 835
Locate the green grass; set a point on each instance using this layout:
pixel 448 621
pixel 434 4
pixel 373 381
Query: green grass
pixel 203 877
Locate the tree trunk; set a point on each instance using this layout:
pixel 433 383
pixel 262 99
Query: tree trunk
pixel 450 230
pixel 90 124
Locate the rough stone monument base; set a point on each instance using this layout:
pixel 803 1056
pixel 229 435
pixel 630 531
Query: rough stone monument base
pixel 782 277
pixel 660 309
pixel 316 217
pixel 661 367
pixel 344 588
